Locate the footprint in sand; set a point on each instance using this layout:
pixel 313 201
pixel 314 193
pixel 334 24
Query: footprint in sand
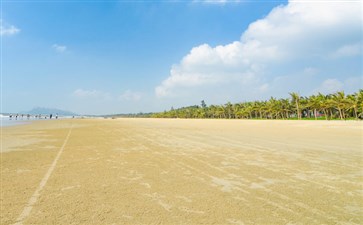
pixel 234 221
pixel 70 187
pixel 184 198
pixel 147 185
pixel 158 199
pixel 185 209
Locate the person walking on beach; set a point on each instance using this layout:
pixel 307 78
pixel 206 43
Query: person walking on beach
pixel 16 117
pixel 10 116
pixel 56 116
pixel 50 116
pixel 28 116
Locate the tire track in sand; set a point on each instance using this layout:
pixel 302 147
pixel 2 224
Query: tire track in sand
pixel 34 198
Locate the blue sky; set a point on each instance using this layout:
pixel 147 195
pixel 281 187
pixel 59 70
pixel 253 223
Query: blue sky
pixel 118 57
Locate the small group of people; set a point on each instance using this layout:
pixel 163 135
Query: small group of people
pixel 18 116
pixel 28 116
pixel 51 115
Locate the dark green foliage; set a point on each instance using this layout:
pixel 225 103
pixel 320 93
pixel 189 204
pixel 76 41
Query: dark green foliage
pixel 332 106
pixel 315 107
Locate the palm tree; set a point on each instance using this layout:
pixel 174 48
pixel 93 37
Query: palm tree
pixel 212 110
pixel 220 112
pixel 285 107
pixel 296 100
pixel 235 108
pixel 229 109
pixel 272 108
pixel 340 102
pixel 324 104
pixel 264 109
pixel 336 105
pixel 314 102
pixel 352 103
pixel 360 100
pixel 304 107
pixel 248 110
pixel 257 107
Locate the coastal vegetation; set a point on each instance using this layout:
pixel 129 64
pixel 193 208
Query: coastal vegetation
pixel 332 106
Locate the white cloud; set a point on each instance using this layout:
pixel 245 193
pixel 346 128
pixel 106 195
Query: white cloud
pixel 59 48
pixel 8 30
pixel 348 50
pixel 287 42
pixel 95 94
pixel 330 86
pixel 205 65
pixel 130 96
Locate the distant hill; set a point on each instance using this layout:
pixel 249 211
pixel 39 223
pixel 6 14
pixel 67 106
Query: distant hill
pixel 41 110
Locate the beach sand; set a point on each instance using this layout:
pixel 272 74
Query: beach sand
pixel 176 171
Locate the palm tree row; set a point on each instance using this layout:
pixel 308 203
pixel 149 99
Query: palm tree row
pixel 320 106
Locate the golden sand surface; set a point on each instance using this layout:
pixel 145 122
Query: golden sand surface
pixel 179 171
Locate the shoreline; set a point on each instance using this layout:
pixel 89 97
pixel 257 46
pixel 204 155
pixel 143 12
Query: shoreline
pixel 13 122
pixel 10 123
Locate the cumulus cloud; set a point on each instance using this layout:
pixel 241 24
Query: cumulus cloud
pixel 205 65
pixel 332 85
pixel 130 96
pixel 286 43
pixel 59 48
pixel 8 30
pixel 348 50
pixel 95 94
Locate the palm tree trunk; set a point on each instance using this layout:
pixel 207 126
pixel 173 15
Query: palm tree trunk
pixel 315 114
pixel 326 115
pixel 340 113
pixel 297 110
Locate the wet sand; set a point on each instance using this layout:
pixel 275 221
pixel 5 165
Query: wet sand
pixel 170 171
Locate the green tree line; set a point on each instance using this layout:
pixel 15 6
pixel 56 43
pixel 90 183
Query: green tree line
pixel 320 106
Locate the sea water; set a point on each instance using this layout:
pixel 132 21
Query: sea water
pixel 5 121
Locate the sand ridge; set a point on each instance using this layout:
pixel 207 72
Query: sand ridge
pixel 170 171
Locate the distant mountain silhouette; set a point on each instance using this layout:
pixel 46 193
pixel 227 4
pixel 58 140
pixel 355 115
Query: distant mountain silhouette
pixel 41 110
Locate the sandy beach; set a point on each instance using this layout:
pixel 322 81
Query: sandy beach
pixel 179 171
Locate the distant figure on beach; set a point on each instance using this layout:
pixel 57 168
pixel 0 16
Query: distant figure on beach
pixel 27 116
pixel 10 116
pixel 50 116
pixel 45 117
pixel 56 116
pixel 16 116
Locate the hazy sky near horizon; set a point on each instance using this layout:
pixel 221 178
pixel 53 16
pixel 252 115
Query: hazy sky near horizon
pixel 105 57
